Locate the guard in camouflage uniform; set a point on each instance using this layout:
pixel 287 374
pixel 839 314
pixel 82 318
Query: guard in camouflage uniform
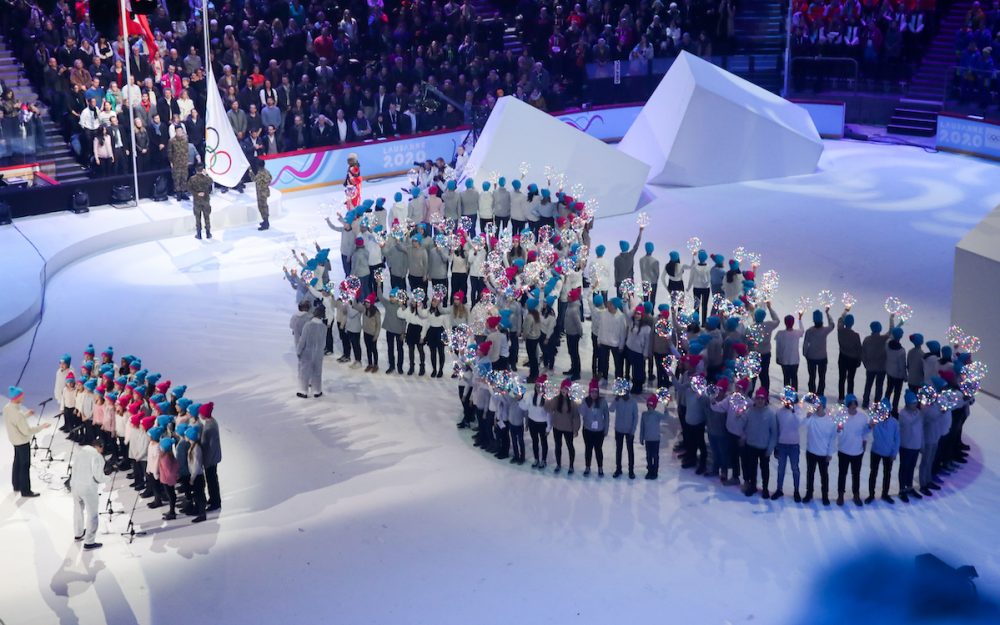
pixel 177 151
pixel 262 180
pixel 200 185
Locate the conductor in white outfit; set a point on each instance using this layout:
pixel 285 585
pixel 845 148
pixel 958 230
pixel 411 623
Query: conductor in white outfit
pixel 88 475
pixel 309 349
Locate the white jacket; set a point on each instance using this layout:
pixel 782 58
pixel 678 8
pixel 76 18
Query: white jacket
pixel 486 205
pixel 613 329
pixel 518 206
pixel 88 471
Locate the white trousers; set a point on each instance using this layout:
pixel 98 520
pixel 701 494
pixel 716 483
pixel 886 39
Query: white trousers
pixel 85 512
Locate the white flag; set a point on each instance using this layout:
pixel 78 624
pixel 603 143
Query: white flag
pixel 224 159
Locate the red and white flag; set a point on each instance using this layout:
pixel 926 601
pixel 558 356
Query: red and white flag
pixel 138 26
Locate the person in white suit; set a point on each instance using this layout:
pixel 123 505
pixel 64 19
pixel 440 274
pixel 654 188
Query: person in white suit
pixel 84 485
pixel 309 349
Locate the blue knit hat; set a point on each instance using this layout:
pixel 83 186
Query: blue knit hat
pixel 163 406
pixel 850 398
pixel 648 307
pixel 155 433
pixel 934 347
pixel 14 392
pixel 817 317
pixel 675 256
pixel 469 182
pixel 732 323
pixel 181 428
pixel 379 202
pixel 599 250
pixel 875 326
pixel 897 333
pixel 946 352
pixel 649 247
pixel 598 300
pixel 917 339
pixel 193 409
pixel 90 385
pixel 718 259
pixel 550 299
pixel 183 403
pixel 712 323
pixel 848 320
pixel 623 245
pixel 66 358
pixel 451 185
pixel 938 382
pixel 546 193
pixel 502 181
pixel 486 186
pixel 759 314
pixel 702 256
pixel 178 391
pixel 163 420
pixel 419 238
pixel 166 443
pixel 398 197
pixel 516 184
pixel 617 303
pixel 909 398
pixel 415 192
pixel 193 433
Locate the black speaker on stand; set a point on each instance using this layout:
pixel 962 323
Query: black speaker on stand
pixel 161 188
pixel 122 195
pixel 79 203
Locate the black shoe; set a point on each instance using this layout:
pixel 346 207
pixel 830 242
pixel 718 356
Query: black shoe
pixel 318 394
pixel 514 460
pixel 808 498
pixel 557 469
pixel 600 473
pixel 586 472
pixel 213 507
pixel 169 516
pixel 570 471
pixel 617 473
pixel 80 537
pixel 198 519
pixel 777 494
pixel 422 370
pixel 700 471
pixel 926 492
pixel 90 546
pixel 765 494
pixel 857 500
pixel 886 498
pixel 208 233
pixel 826 500
pixel 840 499
pixel 870 499
pixel 534 465
pixel 687 465
pixel 915 494
pixel 462 425
pixel 198 235
pixel 934 486
pixel 400 370
pixel 409 371
pixel 302 395
pixel 904 497
pixel 631 475
pixel 389 371
pixel 154 504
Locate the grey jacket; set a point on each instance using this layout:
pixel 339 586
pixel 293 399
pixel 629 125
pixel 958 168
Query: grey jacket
pixel 626 414
pixel 571 322
pixel 501 202
pixel 761 429
pixel 397 258
pixel 210 448
pixel 391 321
pixel 595 418
pixel 451 205
pixel 469 202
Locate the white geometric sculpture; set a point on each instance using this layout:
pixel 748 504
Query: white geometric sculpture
pixel 518 133
pixel 977 276
pixel 705 126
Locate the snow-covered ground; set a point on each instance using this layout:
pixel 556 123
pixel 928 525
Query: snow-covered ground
pixel 368 506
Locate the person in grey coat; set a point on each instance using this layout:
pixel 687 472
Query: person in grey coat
pixel 649 270
pixel 760 439
pixel 310 353
pixel 595 418
pixel 211 454
pixel 649 435
pixel 573 327
pixel 814 350
pixel 417 263
pixel 626 411
pixel 501 204
pixel 624 263
pixel 398 260
pixel 394 328
pixel 468 201
pixel 451 199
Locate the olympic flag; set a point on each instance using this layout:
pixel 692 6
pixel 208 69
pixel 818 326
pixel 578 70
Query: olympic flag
pixel 224 159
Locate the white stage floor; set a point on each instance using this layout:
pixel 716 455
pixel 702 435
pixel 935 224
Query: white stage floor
pixel 368 506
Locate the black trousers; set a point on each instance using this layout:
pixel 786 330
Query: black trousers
pixel 517 441
pixel 638 369
pixel 460 282
pixel 502 436
pixel 539 440
pixel 417 282
pixel 735 452
pixel 874 461
pixel 476 288
pixel 514 351
pixel 845 462
pixel 847 367
pixel 817 375
pixel 593 445
pixel 395 344
pixel 813 461
pixel 653 458
pixel 559 435
pixel 573 347
pixel 531 346
pixel 371 350
pixel 355 340
pixel 618 355
pixel 603 352
pixel 907 465
pixel 21 471
pixel 876 379
pixel 894 390
pixel 437 354
pixel 790 375
pixel 329 337
pixel 754 457
pixel 198 495
pixel 662 377
pixel 397 282
pixel 345 343
pixel 695 447
pixel 701 299
pixel 628 440
pixel 765 371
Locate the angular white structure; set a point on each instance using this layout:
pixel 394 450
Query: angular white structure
pixel 976 282
pixel 517 132
pixel 705 126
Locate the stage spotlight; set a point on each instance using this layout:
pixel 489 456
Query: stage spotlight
pixel 161 188
pixel 121 195
pixel 79 203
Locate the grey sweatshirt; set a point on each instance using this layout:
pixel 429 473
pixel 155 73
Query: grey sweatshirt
pixel 469 202
pixel 814 342
pixel 595 418
pixel 397 258
pixel 649 428
pixel 391 321
pixel 501 202
pixel 437 263
pixel 451 205
pixel 761 429
pixel 873 352
pixel 417 261
pixel 626 414
pixel 649 269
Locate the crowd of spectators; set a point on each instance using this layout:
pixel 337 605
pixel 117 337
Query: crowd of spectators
pixel 315 74
pixel 884 37
pixel 22 134
pixel 977 51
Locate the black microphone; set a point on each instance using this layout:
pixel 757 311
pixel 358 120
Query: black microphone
pixel 45 402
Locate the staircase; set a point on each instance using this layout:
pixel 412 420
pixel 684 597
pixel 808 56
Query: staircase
pixel 916 118
pixel 493 19
pixel 760 38
pixel 931 81
pixel 56 150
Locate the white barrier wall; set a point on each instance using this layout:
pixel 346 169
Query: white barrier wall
pixel 517 132
pixel 705 126
pixel 974 293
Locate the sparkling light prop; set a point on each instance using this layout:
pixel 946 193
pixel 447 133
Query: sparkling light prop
pixel 904 313
pixel 663 328
pixel 307 275
pixel 739 253
pixel 349 288
pixel 524 168
pixel 840 416
pixel 465 223
pixel 969 388
pixel 969 344
pixel 810 400
pixel 577 393
pixel 954 335
pixel 647 290
pixel 739 403
pixel 748 366
pixel 699 384
pixel 550 389
pixel 825 298
pixel 803 305
pixel 379 274
pixel 693 245
pixel 642 220
pixel 440 292
pixel 880 412
pixel 577 190
pixel 460 337
pixel 627 288
pixel 621 387
pixel 493 177
pixel 950 399
pixel 892 305
pixel 755 335
pixel 549 172
pixel 769 283
pixel 670 363
pixel 975 371
pixel 927 395
pixel 847 300
pixel 789 395
pixel 397 232
pixel 665 395
pixel 754 259
pixel 419 295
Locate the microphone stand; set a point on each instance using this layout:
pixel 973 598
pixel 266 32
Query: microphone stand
pixel 130 529
pixel 34 437
pixel 109 509
pixel 69 462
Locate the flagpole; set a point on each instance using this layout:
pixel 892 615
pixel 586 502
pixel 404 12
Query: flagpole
pixel 128 80
pixel 208 72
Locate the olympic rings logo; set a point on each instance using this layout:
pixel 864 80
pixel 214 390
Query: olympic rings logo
pixel 215 156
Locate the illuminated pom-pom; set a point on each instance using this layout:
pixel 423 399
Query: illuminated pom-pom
pixel 969 388
pixel 840 416
pixel 740 253
pixel 739 403
pixel 950 399
pixel 642 219
pixel 748 367
pixel 441 240
pixel 825 298
pixel 927 395
pixel 693 245
pixel 626 289
pixel 699 384
pixel 577 190
pixel 350 192
pixel 440 292
pixel 789 395
pixel 969 344
pixel 847 300
pixel 664 328
pixel 379 274
pixel 465 223
pixel 754 335
pixel 550 389
pixel 892 304
pixel 904 313
pixel 975 371
pixel 621 387
pixel 670 362
pixel 809 400
pixel 665 395
pixel 803 304
pixel 544 234
pixel 307 275
pixel 954 335
pixel 753 258
pixel 524 168
pixel 882 411
pixel 419 295
pixel 577 393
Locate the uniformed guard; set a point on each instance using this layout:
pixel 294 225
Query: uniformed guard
pixel 177 150
pixel 200 185
pixel 262 180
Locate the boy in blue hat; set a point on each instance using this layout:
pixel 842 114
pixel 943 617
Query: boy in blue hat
pixel 873 357
pixel 649 270
pixel 814 350
pixel 468 201
pixel 911 441
pixel 624 263
pixel 849 342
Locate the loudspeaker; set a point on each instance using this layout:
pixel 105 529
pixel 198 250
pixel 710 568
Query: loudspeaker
pixel 79 203
pixel 144 7
pixel 121 194
pixel 5 216
pixel 161 188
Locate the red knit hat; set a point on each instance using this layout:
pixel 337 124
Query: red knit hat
pixel 665 313
pixel 532 255
pixel 761 394
pixel 134 420
pixel 740 349
pixel 722 384
pixel 594 385
pixel 163 387
pixel 743 384
pixel 459 295
pixel 651 401
pixel 574 294
pixel 484 347
pixel 147 422
pixel 370 299
pixel 566 383
pixel 359 242
pixel 205 412
pixel 510 272
pixel 639 309
pixel 492 322
pixel 134 407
